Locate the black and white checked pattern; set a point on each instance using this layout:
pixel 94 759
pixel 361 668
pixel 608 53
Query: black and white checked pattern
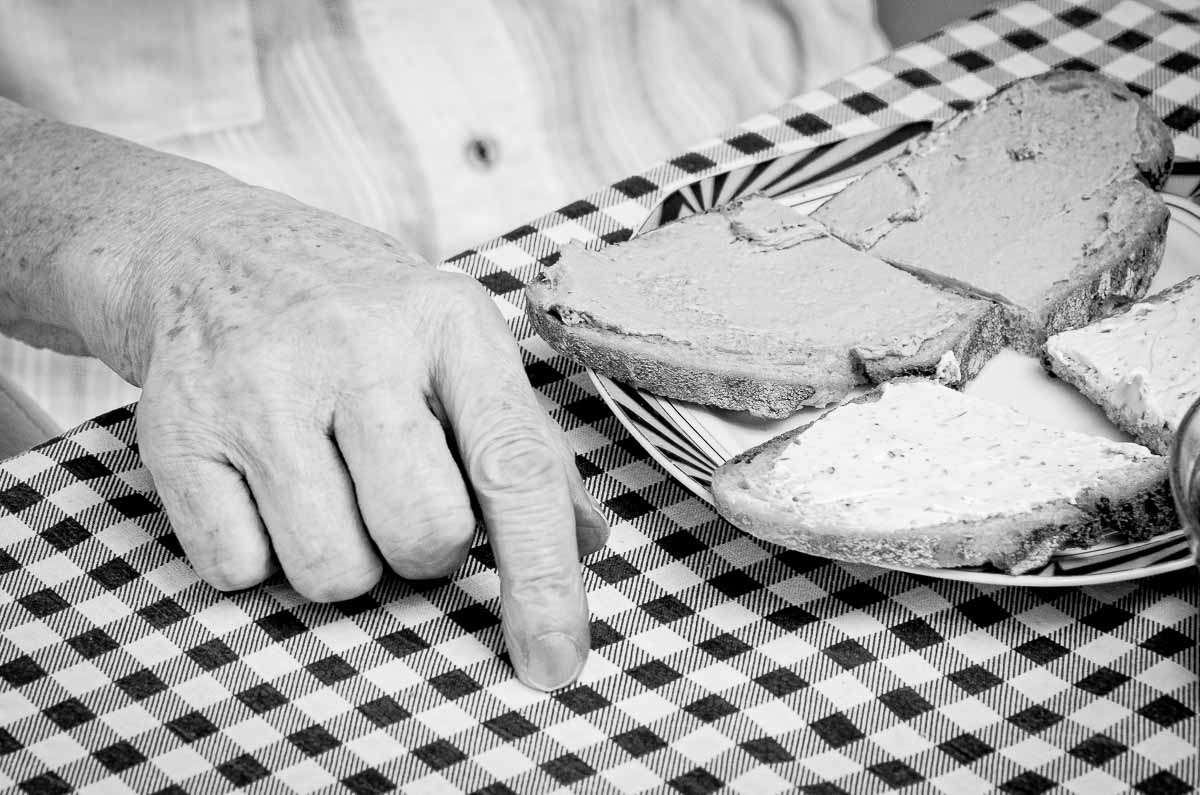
pixel 718 661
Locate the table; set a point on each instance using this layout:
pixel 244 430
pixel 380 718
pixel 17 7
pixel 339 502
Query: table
pixel 717 660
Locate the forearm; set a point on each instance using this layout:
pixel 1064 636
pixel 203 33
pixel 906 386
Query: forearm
pixel 79 212
pixel 105 245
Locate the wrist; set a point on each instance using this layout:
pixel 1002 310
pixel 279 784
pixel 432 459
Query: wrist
pixel 122 271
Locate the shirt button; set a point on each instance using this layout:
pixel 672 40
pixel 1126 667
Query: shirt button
pixel 482 152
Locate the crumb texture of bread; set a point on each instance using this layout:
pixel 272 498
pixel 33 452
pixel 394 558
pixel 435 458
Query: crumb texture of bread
pixel 1142 365
pixel 706 308
pixel 922 475
pixel 1069 159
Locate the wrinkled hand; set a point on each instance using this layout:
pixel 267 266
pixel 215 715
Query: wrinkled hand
pixel 315 395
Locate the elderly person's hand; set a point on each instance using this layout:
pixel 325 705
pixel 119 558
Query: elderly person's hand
pixel 313 389
pixel 313 394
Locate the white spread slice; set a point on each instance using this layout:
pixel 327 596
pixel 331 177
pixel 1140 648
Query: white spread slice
pixel 1143 365
pixel 922 455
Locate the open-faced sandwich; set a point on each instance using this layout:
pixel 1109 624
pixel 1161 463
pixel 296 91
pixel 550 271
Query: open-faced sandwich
pixel 1033 214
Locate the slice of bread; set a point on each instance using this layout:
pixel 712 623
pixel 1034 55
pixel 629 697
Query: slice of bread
pixel 755 308
pixel 1042 197
pixel 916 474
pixel 1142 366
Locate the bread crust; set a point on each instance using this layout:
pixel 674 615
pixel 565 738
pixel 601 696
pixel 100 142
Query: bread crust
pixel 997 327
pixel 765 386
pixel 1136 504
pixel 1128 265
pixel 673 370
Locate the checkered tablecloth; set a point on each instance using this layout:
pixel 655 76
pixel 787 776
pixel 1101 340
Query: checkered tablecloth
pixel 718 661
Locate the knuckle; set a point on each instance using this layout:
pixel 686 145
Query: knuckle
pixel 320 584
pixel 322 569
pixel 453 301
pixel 227 562
pixel 231 574
pixel 364 428
pixel 409 545
pixel 429 568
pixel 457 288
pixel 512 458
pixel 422 550
pixel 547 584
pixel 451 295
pixel 167 439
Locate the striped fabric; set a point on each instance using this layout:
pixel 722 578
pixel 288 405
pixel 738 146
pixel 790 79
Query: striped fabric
pixel 441 123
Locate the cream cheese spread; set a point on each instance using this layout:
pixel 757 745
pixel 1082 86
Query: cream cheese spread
pixel 1146 360
pixel 923 455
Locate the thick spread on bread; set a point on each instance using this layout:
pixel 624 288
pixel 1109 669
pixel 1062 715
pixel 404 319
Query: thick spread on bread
pixel 754 278
pixel 757 280
pixel 922 455
pixel 920 474
pixel 1141 366
pixel 1031 197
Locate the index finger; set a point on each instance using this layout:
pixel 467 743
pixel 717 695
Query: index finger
pixel 522 489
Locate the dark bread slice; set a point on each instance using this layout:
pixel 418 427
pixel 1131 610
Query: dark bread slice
pixel 756 308
pixel 1042 197
pixel 916 474
pixel 1141 365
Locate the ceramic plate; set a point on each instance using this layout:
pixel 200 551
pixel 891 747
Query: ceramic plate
pixel 691 441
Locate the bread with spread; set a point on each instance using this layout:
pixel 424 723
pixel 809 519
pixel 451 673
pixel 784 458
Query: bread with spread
pixel 1141 365
pixel 757 308
pixel 1032 213
pixel 1042 197
pixel 916 474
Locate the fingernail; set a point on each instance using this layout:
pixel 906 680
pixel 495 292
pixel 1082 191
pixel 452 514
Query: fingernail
pixel 555 660
pixel 598 510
